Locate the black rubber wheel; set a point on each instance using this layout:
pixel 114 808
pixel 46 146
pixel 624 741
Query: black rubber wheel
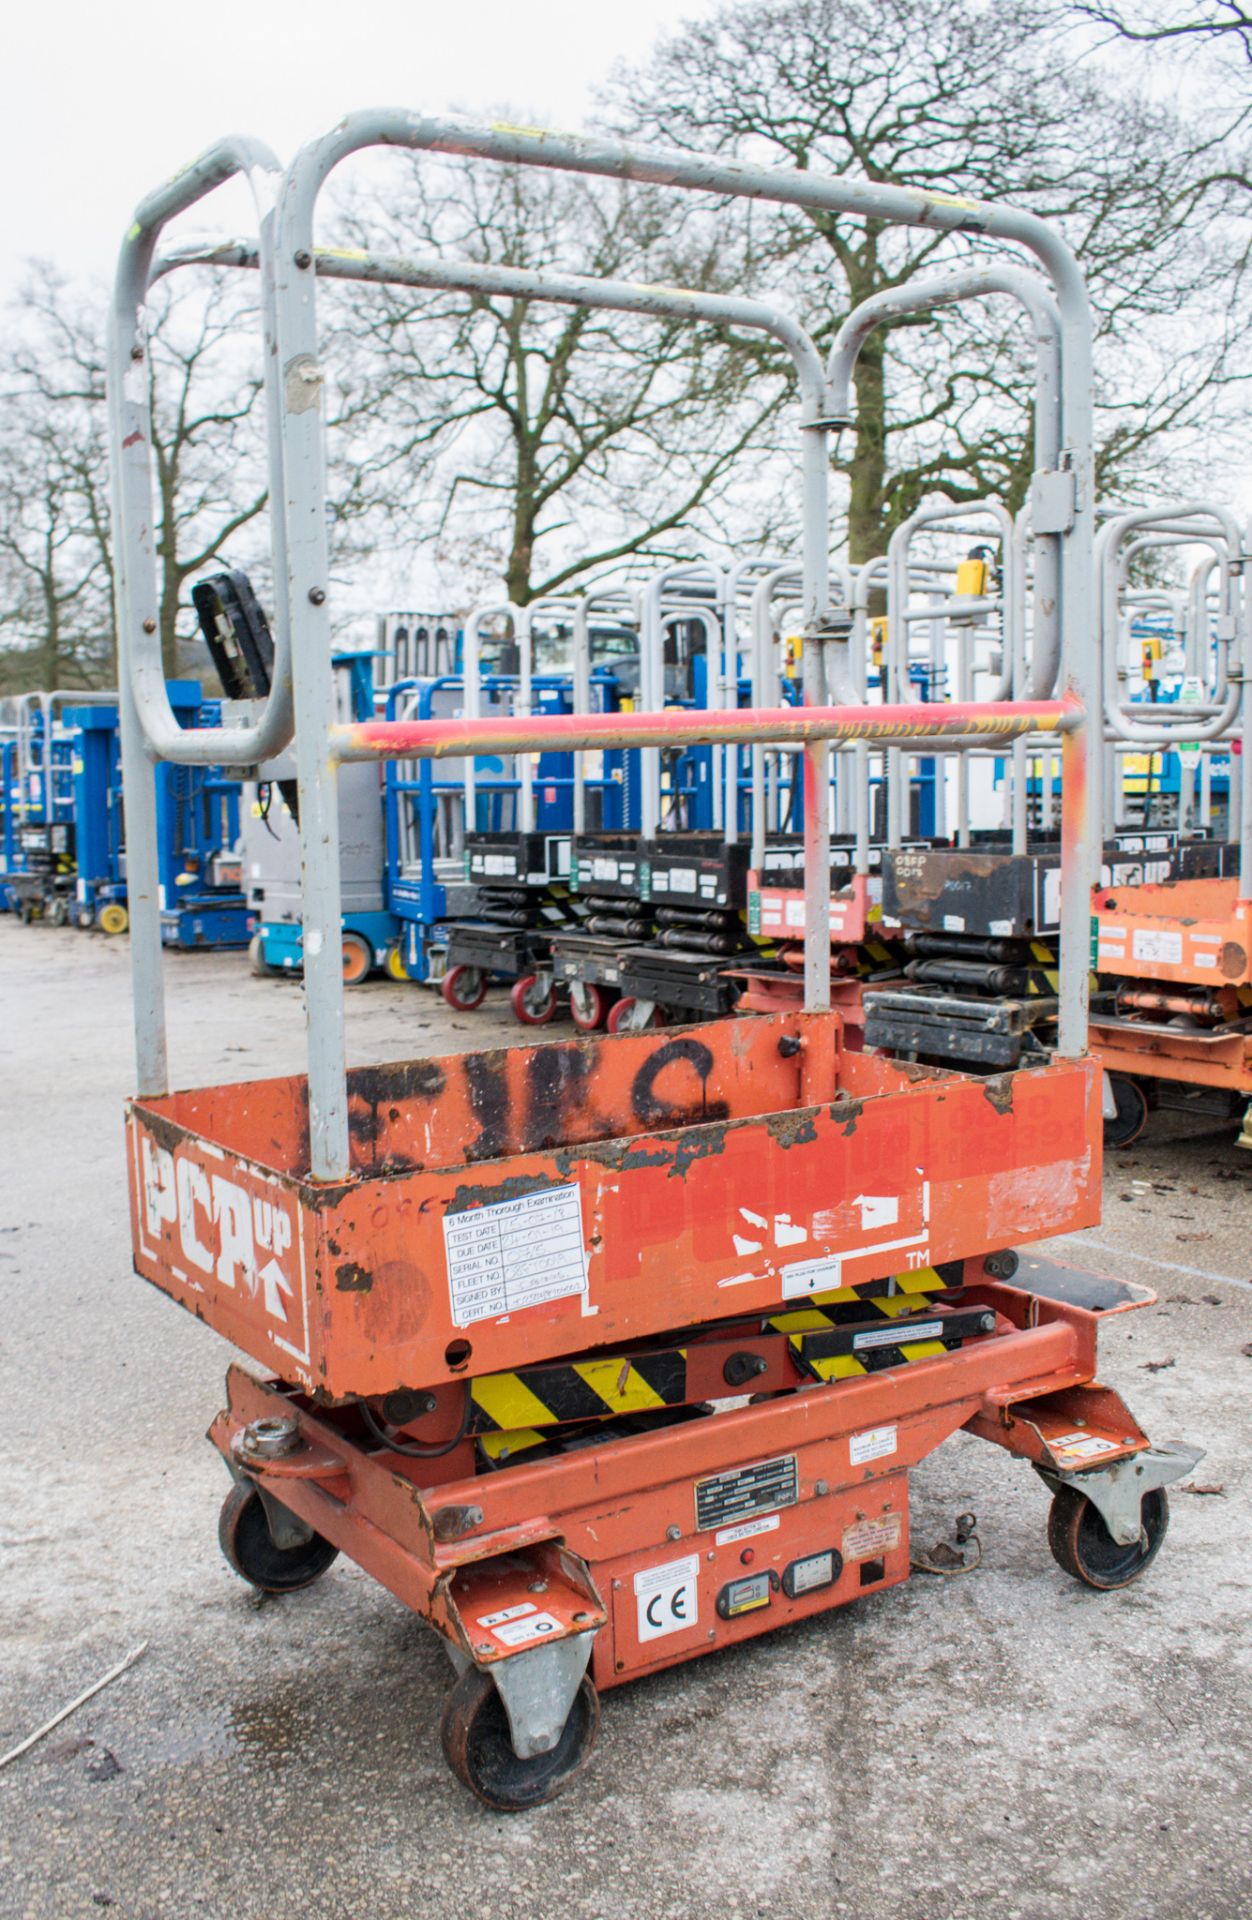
pixel 1084 1547
pixel 477 1747
pixel 243 1534
pixel 1132 1111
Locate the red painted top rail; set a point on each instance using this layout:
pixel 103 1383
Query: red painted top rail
pixel 524 733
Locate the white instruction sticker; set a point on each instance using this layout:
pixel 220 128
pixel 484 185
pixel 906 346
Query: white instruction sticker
pixel 515 1254
pixel 954 923
pixel 747 1528
pixel 1150 943
pixel 873 1444
pixel 515 1633
pixel 668 1597
pixel 507 1613
pixel 802 1277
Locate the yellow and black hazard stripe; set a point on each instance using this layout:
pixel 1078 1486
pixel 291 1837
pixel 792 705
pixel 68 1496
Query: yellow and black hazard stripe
pixel 538 1397
pixel 859 1307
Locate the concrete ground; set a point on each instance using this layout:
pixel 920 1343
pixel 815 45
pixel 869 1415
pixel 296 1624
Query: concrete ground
pixel 1004 1744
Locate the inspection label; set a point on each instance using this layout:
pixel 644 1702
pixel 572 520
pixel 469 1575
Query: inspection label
pixel 515 1254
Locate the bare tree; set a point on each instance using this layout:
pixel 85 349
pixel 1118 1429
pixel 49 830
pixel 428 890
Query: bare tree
pixel 55 585
pixel 1152 22
pixel 535 443
pixel 972 100
pixel 207 449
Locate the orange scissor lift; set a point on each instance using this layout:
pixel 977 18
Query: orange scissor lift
pixel 600 1354
pixel 1179 955
pixel 1174 953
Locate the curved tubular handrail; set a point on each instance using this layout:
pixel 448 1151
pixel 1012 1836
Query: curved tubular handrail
pixel 1153 541
pixel 624 296
pixel 147 724
pixel 294 248
pixel 131 432
pixel 652 615
pixel 1188 517
pixel 306 567
pixel 896 653
pixel 616 602
pixel 925 294
pixel 786 574
pixel 471 672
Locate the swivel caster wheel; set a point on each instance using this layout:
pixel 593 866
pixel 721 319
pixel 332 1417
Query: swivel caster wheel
pixel 394 967
pixel 1084 1547
pixel 243 1533
pixel 629 1015
pixel 533 999
pixel 1123 1128
pixel 478 1748
pixel 588 1005
pixel 464 988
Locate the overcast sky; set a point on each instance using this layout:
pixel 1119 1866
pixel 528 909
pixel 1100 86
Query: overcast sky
pixel 105 98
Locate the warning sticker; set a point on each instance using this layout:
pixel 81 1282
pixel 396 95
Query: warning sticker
pixel 869 1537
pixel 874 1444
pixel 667 1598
pixel 515 1633
pixel 1082 1446
pixel 515 1254
pixel 1151 943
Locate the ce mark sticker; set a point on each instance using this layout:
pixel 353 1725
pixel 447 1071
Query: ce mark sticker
pixel 668 1598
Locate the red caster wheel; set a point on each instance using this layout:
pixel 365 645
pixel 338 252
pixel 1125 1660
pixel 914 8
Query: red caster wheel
pixel 588 1005
pixel 534 999
pixel 464 988
pixel 629 1016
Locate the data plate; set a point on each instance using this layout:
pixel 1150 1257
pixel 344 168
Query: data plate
pixel 730 1497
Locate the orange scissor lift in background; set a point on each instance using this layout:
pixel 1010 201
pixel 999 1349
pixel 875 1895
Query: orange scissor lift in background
pixel 1173 1020
pixel 606 1353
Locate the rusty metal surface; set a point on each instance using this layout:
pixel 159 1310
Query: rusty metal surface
pixel 707 1171
pixel 567 1534
pixel 1196 931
